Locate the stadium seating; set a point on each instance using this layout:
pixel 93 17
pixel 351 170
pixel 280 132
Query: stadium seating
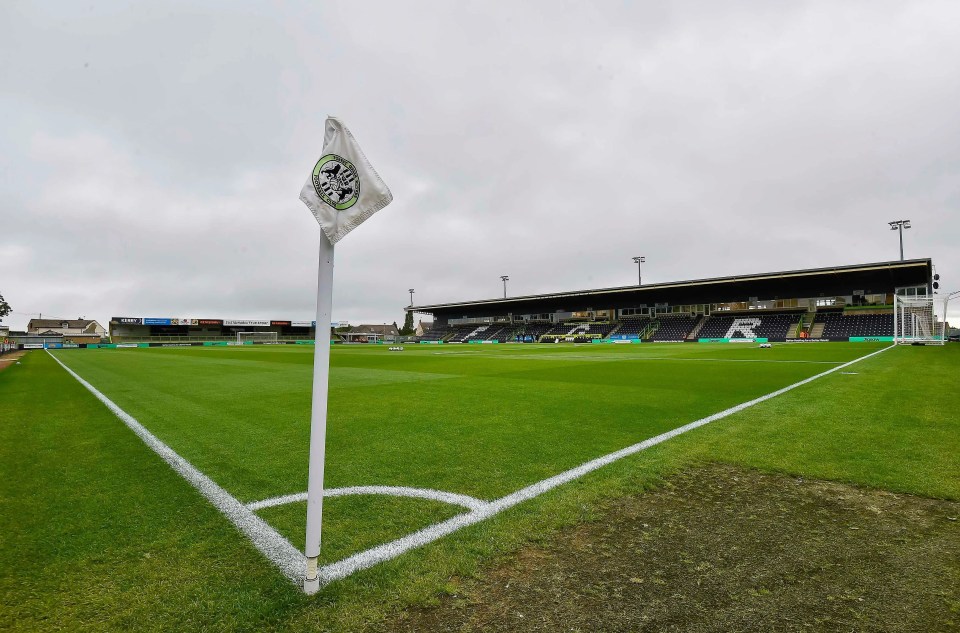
pixel 630 327
pixel 436 333
pixel 843 325
pixel 504 334
pixel 579 330
pixel 763 325
pixel 467 332
pixel 673 327
pixel 535 330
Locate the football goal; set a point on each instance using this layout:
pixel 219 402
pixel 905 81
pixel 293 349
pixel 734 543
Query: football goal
pixel 256 337
pixel 915 322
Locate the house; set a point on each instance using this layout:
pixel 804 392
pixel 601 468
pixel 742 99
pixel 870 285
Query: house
pixel 75 330
pixel 423 328
pixel 368 333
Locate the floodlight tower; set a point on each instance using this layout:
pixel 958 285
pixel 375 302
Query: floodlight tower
pixel 639 262
pixel 504 279
pixel 899 225
pixel 946 305
pixel 411 291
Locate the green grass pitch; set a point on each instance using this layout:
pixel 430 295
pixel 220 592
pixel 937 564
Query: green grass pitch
pixel 102 533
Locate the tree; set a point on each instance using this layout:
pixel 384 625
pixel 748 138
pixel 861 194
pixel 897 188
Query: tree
pixel 5 308
pixel 407 328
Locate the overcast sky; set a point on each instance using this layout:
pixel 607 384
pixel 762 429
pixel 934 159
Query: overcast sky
pixel 153 153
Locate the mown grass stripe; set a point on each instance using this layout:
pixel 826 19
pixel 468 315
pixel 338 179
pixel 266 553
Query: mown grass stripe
pixel 271 544
pixel 388 551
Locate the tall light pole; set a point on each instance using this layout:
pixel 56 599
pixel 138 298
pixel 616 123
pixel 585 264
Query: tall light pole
pixel 411 291
pixel 639 261
pixel 946 304
pixel 899 225
pixel 504 279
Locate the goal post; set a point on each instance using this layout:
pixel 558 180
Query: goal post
pixel 915 321
pixel 256 337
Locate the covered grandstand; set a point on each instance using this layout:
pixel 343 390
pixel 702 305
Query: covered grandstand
pixel 836 303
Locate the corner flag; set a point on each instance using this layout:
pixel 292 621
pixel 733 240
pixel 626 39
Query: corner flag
pixel 342 191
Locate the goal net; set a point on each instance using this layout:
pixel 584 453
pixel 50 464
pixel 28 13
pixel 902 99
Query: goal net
pixel 256 337
pixel 914 321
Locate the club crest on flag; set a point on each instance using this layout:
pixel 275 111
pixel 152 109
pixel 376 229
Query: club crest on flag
pixel 343 189
pixel 336 181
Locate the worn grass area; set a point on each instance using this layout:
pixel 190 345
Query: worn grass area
pixel 74 480
pixel 721 548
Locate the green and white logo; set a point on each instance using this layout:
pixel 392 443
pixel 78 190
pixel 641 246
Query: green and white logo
pixel 336 181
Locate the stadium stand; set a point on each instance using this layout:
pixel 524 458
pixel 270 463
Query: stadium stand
pixel 579 330
pixel 464 332
pixel 676 327
pixel 435 333
pixel 775 325
pixel 840 325
pixel 504 334
pixel 535 330
pixel 490 332
pixel 632 327
pixel 673 327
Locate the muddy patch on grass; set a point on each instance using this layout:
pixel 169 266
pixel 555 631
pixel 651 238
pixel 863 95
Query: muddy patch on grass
pixel 10 358
pixel 725 549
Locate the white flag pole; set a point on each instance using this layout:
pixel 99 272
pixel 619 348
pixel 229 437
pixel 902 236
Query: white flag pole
pixel 318 417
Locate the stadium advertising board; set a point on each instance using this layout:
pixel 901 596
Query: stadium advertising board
pixel 732 340
pixel 128 320
pixel 871 339
pixel 302 323
pixel 280 323
pixel 153 321
pixel 217 322
pixel 246 322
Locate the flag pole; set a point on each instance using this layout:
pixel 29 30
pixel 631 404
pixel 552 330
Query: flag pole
pixel 318 417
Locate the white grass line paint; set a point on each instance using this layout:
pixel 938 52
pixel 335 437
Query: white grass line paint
pixel 387 551
pixel 270 543
pixel 452 498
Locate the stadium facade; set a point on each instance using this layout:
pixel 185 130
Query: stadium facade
pixel 835 303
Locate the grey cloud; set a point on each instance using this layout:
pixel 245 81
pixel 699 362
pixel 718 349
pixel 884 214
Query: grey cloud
pixel 160 150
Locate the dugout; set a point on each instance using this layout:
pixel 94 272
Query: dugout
pixel 861 285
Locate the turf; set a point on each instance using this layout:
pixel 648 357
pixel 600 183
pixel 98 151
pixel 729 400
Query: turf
pixel 475 420
pixel 721 548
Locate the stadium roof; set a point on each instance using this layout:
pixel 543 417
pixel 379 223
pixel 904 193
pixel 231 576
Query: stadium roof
pixel 872 278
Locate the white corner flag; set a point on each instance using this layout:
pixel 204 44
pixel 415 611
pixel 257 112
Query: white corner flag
pixel 342 191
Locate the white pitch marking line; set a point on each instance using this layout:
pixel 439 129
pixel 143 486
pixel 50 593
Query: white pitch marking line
pixel 388 551
pixel 270 543
pixel 397 491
